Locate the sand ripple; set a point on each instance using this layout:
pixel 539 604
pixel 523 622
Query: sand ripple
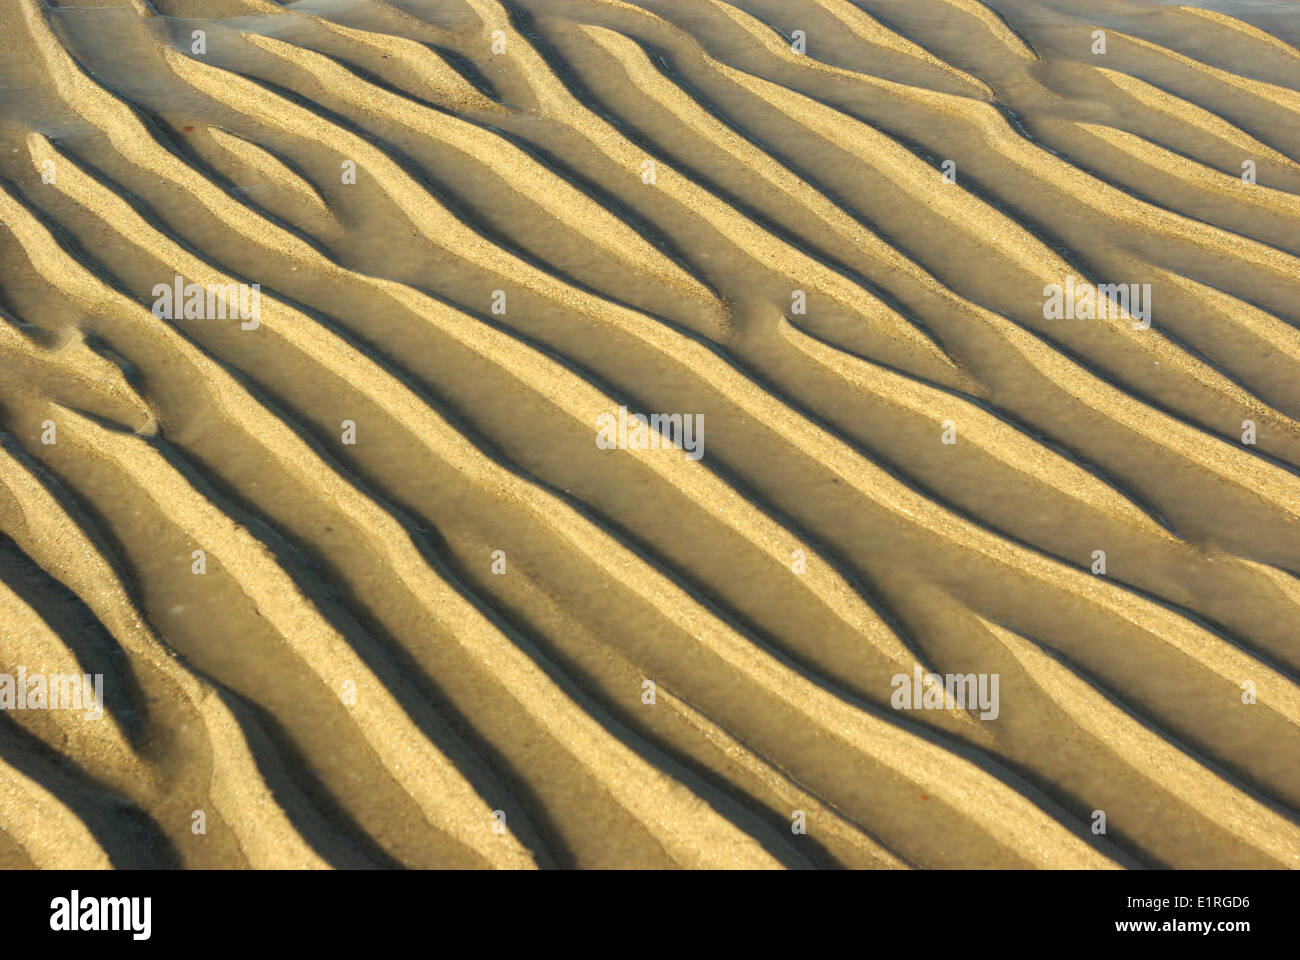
pixel 363 589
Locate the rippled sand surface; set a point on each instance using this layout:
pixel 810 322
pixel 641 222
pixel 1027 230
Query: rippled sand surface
pixel 365 588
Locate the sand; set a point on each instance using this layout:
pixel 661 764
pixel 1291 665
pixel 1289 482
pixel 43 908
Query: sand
pixel 366 587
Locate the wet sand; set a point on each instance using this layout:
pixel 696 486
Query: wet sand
pixel 365 588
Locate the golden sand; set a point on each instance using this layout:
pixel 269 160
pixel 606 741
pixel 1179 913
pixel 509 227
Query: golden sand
pixel 365 589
